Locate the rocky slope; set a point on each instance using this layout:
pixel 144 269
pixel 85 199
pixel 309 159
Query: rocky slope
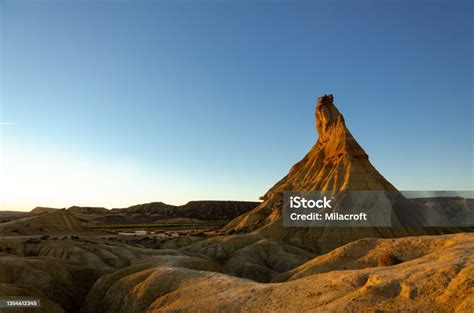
pixel 432 274
pixel 47 222
pixel 61 271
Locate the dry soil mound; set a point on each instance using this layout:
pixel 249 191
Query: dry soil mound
pixel 435 273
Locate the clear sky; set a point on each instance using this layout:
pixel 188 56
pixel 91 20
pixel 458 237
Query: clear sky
pixel 113 103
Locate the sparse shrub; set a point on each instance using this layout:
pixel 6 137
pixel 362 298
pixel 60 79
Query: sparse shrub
pixel 388 259
pixel 44 237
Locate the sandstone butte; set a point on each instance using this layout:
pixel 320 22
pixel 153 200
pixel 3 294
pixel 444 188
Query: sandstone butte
pixel 335 163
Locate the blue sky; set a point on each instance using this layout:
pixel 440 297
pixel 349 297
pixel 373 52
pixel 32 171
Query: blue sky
pixel 123 102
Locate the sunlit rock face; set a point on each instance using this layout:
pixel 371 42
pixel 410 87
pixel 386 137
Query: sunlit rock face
pixel 336 162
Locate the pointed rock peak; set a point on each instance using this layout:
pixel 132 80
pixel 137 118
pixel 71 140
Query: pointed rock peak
pixel 326 99
pixel 333 136
pixel 327 116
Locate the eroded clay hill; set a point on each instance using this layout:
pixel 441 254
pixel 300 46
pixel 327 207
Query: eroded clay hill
pixel 61 271
pixel 431 274
pixel 335 163
pixel 52 221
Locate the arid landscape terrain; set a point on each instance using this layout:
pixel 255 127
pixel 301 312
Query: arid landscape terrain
pixel 231 256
